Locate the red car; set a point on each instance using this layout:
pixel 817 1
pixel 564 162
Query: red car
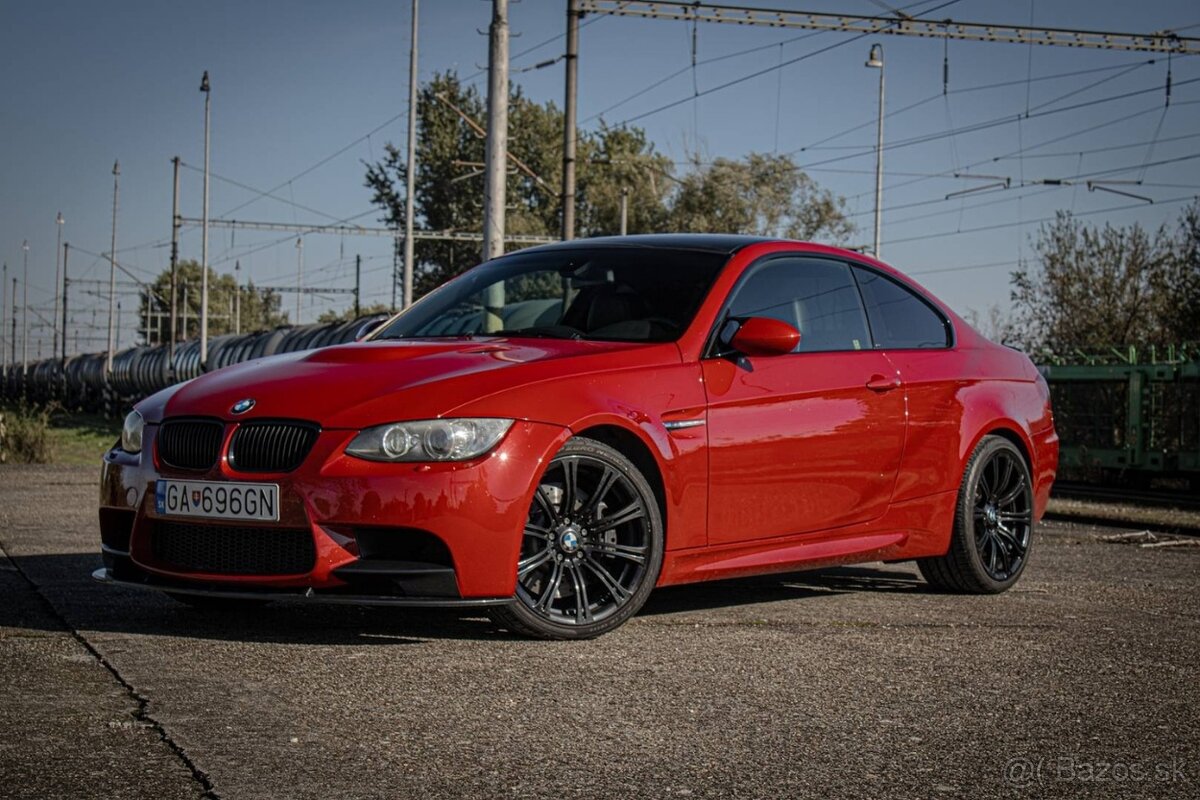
pixel 558 431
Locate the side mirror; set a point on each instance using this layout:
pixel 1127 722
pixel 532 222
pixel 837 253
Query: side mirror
pixel 368 328
pixel 764 336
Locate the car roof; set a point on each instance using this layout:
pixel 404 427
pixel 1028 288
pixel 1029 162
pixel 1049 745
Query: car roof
pixel 723 243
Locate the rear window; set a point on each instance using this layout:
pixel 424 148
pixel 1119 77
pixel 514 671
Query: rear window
pixel 900 319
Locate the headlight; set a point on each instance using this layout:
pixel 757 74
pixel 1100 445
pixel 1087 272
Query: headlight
pixel 429 440
pixel 131 432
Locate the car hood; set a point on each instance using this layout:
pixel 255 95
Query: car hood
pixel 369 383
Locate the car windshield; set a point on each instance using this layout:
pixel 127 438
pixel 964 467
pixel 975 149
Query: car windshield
pixel 613 294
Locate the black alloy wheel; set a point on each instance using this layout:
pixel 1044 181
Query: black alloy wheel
pixel 591 548
pixel 993 525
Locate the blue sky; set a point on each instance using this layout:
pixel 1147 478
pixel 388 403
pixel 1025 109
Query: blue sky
pixel 86 83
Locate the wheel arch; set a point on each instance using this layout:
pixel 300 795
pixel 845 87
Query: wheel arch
pixel 991 413
pixel 631 445
pixel 1007 432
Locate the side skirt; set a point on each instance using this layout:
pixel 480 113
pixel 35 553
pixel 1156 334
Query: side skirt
pixel 912 529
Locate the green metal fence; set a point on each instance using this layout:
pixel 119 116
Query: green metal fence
pixel 1127 411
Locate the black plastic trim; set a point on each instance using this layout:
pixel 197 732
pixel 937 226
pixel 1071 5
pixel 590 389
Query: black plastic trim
pixel 231 456
pixel 105 576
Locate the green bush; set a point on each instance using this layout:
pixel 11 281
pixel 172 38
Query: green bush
pixel 23 435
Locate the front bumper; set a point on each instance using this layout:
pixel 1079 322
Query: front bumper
pixel 395 534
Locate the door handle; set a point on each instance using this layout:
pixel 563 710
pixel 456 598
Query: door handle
pixel 883 383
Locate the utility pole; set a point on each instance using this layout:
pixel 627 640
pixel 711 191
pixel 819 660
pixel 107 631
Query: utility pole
pixel 112 274
pixel 496 175
pixel 174 270
pixel 204 87
pixel 4 322
pixel 25 311
pixel 357 286
pixel 624 210
pixel 185 311
pixel 14 323
pixel 237 297
pixel 299 275
pixel 118 339
pixel 57 276
pixel 65 286
pixel 146 320
pixel 572 63
pixel 396 249
pixel 410 168
pixel 875 61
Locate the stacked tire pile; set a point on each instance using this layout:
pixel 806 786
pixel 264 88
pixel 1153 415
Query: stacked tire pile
pixel 78 384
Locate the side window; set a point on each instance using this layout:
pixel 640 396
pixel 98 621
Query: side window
pixel 815 296
pixel 899 318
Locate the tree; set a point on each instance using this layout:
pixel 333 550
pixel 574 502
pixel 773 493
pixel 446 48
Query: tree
pixel 1093 289
pixel 761 194
pixel 260 308
pixel 1176 288
pixel 997 325
pixel 449 180
pixel 615 161
pixel 347 314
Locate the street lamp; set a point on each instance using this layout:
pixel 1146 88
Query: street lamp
pixel 299 275
pixel 875 61
pixel 112 277
pixel 25 311
pixel 204 87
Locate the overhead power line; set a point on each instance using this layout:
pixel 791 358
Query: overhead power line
pixel 358 230
pixel 995 121
pixel 1019 223
pixel 1158 42
pixel 261 193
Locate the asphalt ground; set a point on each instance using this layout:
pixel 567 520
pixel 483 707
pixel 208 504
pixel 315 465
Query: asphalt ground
pixel 854 682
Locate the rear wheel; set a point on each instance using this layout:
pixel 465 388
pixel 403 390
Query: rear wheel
pixel 591 549
pixel 993 524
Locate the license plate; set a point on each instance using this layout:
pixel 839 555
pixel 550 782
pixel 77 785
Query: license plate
pixel 217 500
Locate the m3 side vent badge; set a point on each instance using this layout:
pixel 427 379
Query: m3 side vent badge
pixel 242 406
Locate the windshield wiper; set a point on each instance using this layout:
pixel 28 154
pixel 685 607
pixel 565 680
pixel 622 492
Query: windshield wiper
pixel 542 332
pixel 403 336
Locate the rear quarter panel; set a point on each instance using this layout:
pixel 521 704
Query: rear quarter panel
pixel 958 396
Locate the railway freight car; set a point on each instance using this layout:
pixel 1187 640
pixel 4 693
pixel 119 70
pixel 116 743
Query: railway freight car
pixel 1128 417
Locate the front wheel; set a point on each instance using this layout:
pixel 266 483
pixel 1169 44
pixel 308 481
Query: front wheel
pixel 993 524
pixel 591 548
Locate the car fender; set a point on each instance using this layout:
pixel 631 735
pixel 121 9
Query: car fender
pixel 638 401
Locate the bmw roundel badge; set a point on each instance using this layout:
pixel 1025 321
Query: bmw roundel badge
pixel 242 406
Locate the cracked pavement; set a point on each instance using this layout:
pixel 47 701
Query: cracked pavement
pixel 855 682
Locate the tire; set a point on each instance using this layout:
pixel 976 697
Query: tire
pixel 993 524
pixel 591 549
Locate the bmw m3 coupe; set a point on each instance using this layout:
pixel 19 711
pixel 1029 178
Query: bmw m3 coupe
pixel 558 431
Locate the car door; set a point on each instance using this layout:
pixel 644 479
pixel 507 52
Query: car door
pixel 812 439
pixel 915 336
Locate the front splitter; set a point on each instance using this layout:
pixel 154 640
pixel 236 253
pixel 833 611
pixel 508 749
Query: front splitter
pixel 105 576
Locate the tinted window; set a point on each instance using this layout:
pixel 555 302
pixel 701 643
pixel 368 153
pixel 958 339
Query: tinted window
pixel 815 296
pixel 619 294
pixel 899 318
